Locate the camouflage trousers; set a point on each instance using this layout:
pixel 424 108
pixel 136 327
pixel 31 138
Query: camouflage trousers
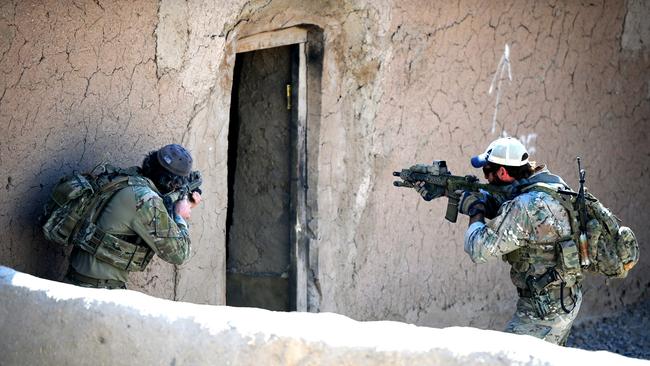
pixel 554 327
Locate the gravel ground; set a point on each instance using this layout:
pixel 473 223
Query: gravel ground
pixel 626 332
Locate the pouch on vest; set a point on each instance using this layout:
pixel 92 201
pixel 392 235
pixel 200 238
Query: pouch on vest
pixel 110 249
pixel 69 201
pixel 569 257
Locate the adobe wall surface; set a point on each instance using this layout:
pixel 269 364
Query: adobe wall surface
pixel 122 327
pixel 81 84
pixel 402 82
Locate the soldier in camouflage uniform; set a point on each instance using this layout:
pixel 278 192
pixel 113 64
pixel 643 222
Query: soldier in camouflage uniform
pixel 532 232
pixel 136 222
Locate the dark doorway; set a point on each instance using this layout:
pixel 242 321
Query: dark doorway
pixel 261 160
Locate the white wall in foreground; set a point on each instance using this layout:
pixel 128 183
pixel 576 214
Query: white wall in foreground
pixel 44 322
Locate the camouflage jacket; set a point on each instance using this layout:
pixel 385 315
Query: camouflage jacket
pixel 527 233
pixel 136 214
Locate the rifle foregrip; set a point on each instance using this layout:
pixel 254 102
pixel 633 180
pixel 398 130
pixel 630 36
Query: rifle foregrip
pixel 452 209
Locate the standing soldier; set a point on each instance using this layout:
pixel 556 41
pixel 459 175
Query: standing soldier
pixel 135 222
pixel 532 232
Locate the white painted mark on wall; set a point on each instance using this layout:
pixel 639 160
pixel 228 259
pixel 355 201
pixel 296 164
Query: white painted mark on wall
pixel 527 140
pixel 502 67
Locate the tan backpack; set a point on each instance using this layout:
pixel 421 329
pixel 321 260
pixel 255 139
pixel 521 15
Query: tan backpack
pixel 78 199
pixel 613 249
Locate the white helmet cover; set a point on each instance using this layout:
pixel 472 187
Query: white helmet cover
pixel 506 151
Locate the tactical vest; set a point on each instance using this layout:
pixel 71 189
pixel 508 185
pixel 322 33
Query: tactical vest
pixel 76 204
pixel 613 249
pixel 547 272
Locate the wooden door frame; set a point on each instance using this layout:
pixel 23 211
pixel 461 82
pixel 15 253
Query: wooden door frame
pixel 300 241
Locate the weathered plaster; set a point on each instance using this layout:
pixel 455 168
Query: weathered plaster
pixel 636 28
pixel 402 82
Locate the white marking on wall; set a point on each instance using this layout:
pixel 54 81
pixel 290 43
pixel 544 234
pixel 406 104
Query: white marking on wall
pixel 362 195
pixel 502 68
pixel 528 141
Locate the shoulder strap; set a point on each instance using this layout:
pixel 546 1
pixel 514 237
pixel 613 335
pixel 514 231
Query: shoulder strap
pixel 104 194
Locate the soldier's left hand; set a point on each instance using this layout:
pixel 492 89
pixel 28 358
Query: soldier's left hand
pixel 422 188
pixel 195 199
pixel 471 203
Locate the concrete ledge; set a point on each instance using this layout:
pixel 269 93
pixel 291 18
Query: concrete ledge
pixel 44 322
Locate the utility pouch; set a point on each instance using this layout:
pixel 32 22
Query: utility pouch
pixel 115 251
pixel 569 256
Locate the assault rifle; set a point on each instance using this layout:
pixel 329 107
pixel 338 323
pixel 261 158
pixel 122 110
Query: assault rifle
pixel 441 183
pixel 194 183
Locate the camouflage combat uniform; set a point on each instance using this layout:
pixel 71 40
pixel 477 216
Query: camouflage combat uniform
pixel 134 218
pixel 532 232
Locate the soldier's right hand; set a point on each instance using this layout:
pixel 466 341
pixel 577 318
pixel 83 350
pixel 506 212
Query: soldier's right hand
pixel 471 203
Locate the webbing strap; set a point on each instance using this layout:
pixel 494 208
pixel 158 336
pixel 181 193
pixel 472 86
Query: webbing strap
pixel 97 204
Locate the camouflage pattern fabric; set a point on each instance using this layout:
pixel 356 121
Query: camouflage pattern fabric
pixel 532 232
pixel 554 328
pixel 136 212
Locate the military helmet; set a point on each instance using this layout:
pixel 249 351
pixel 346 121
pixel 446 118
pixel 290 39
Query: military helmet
pixel 175 159
pixel 506 151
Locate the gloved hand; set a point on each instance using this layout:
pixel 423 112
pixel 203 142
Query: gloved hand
pixel 424 189
pixel 471 203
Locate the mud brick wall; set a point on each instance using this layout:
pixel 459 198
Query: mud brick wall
pixel 402 82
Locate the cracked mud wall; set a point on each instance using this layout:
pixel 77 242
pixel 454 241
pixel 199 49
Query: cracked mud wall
pixel 81 84
pixel 409 82
pixel 402 82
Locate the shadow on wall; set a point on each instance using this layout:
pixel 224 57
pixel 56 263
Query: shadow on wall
pixel 41 257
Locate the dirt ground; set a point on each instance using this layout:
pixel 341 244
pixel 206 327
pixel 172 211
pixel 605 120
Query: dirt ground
pixel 626 332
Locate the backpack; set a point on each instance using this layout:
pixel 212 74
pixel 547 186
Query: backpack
pixel 613 249
pixel 77 200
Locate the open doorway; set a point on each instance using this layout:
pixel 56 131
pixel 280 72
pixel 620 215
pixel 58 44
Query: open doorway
pixel 274 121
pixel 259 180
pixel 267 229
